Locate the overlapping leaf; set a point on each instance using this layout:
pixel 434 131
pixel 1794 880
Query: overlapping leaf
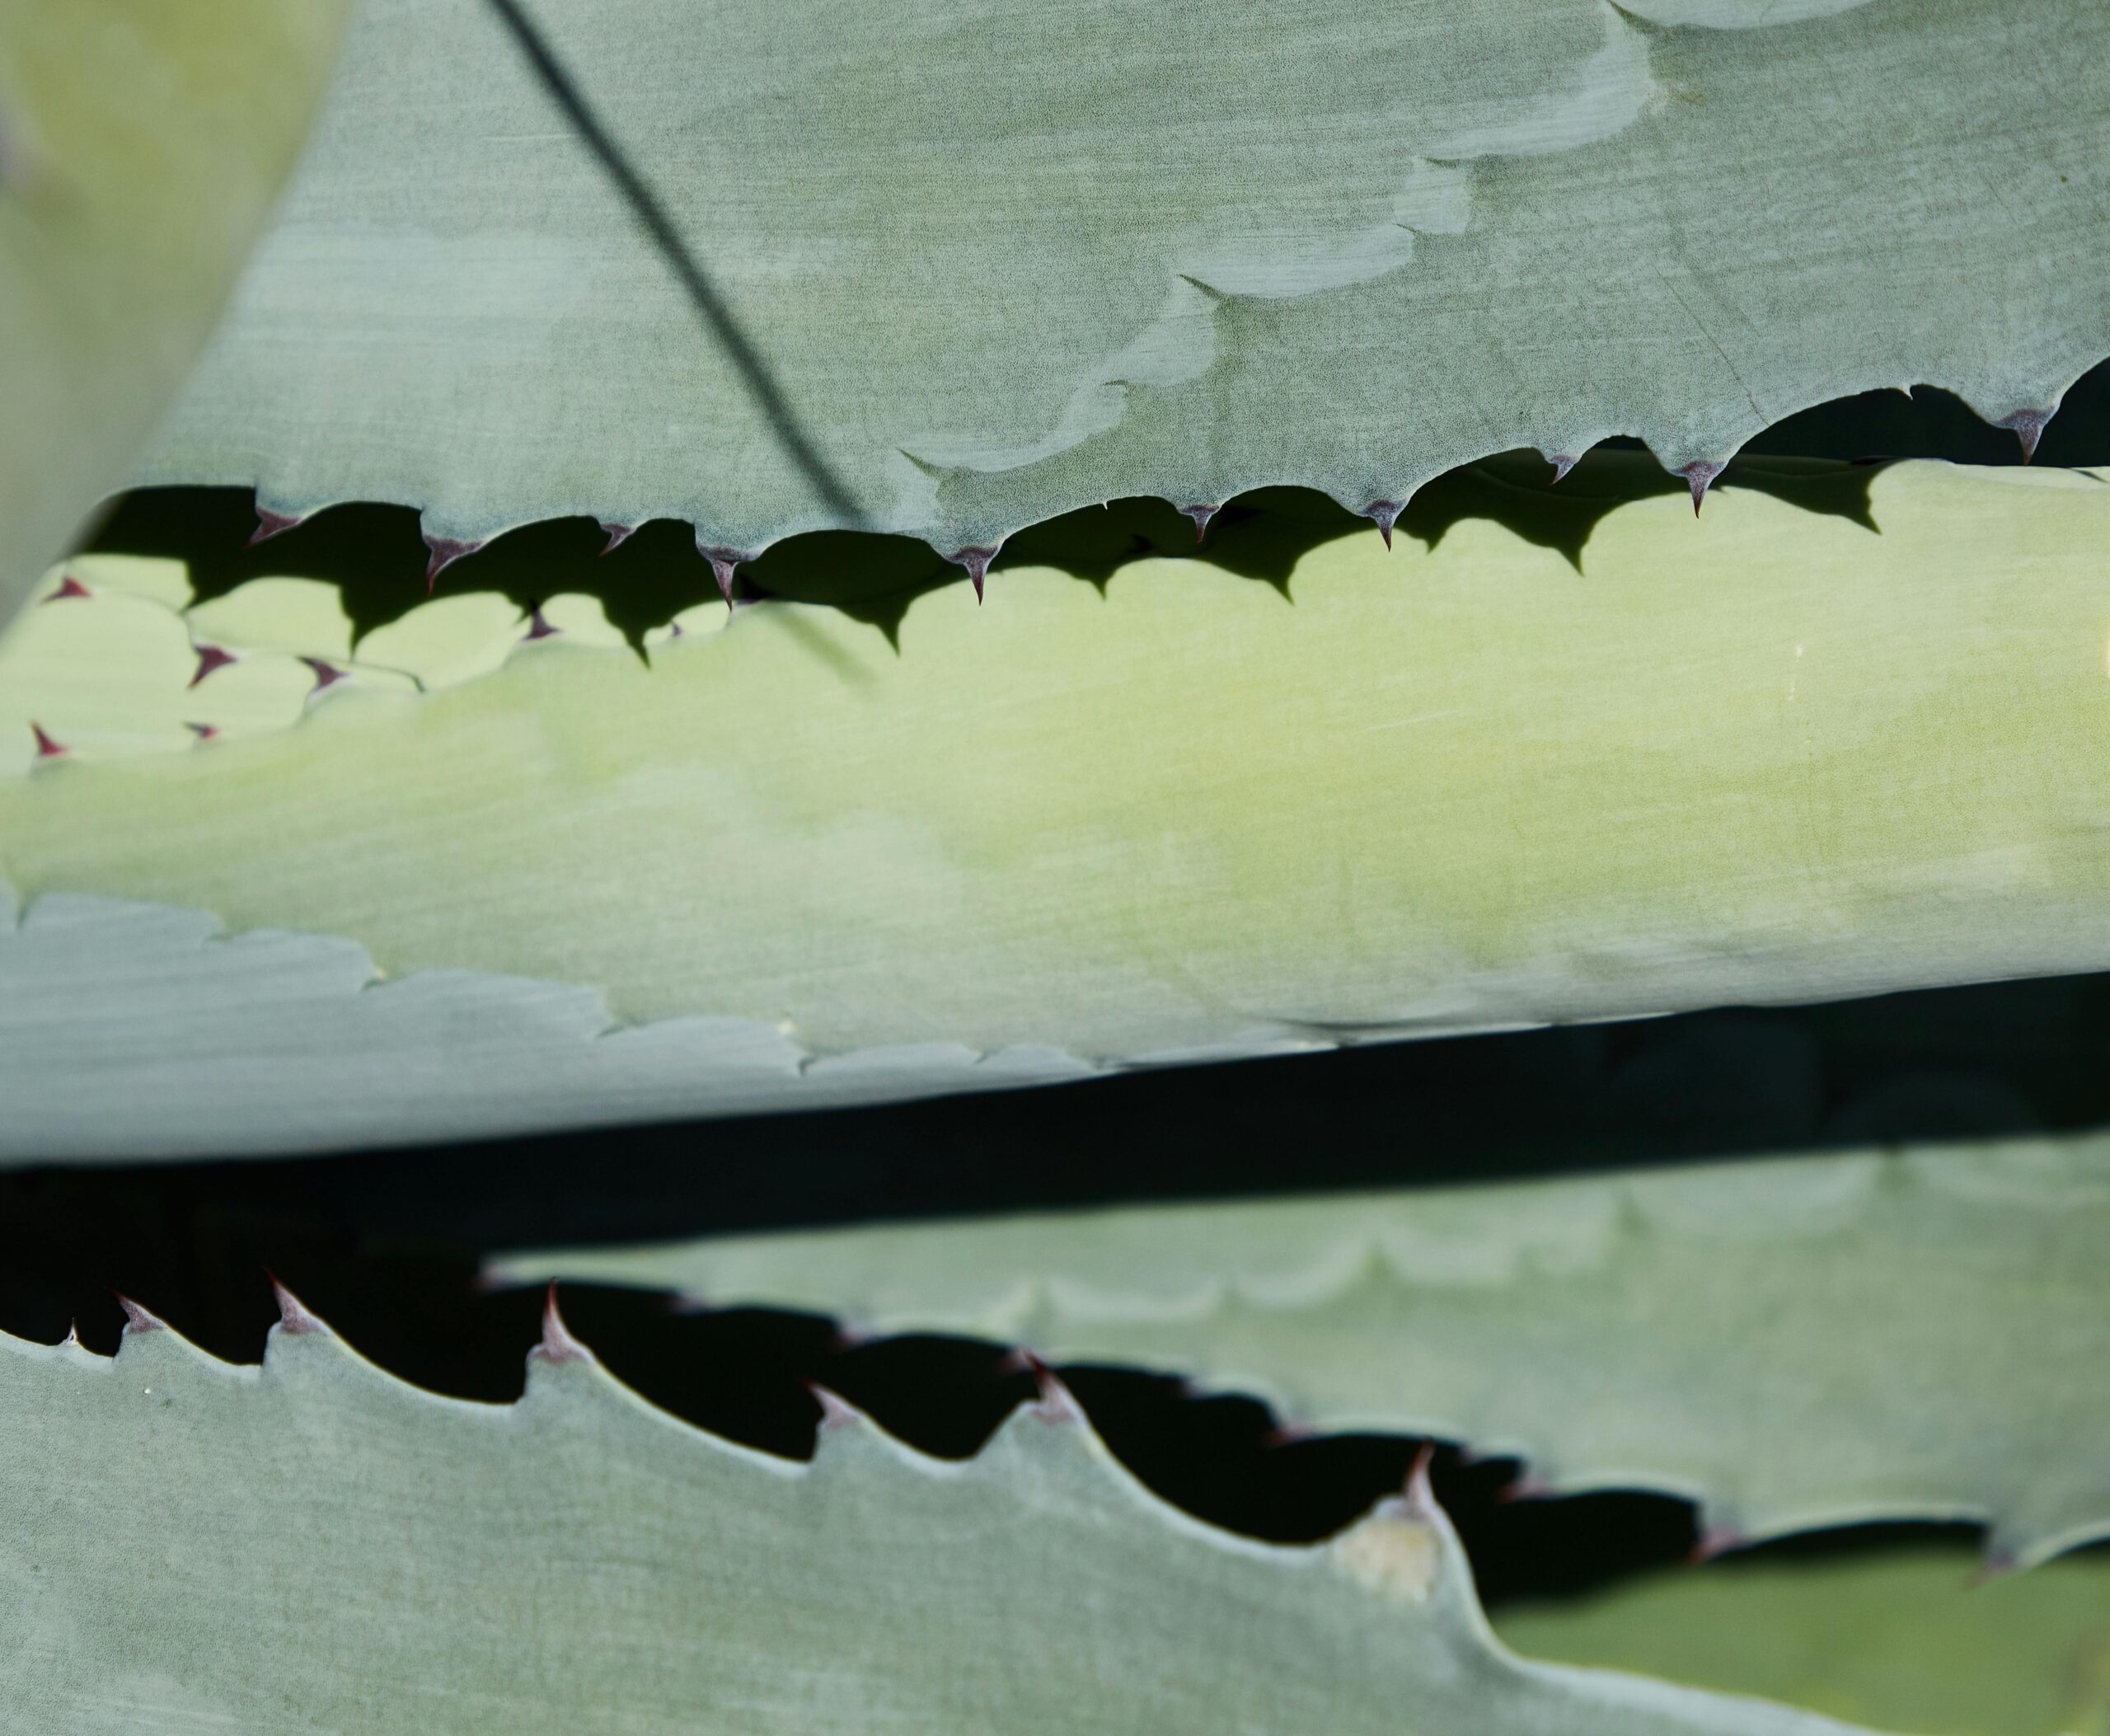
pixel 1792 1343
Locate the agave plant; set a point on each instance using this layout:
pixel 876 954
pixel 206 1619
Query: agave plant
pixel 724 562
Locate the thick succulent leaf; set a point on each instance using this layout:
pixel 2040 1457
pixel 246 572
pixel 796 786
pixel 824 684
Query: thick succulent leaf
pixel 141 144
pixel 1791 1343
pixel 1905 1639
pixel 1844 736
pixel 1006 261
pixel 312 1545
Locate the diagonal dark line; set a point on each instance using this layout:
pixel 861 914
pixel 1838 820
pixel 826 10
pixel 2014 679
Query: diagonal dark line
pixel 760 383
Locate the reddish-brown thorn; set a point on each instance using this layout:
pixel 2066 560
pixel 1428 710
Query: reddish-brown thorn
pixel 1386 513
pixel 1700 475
pixel 446 550
pixel 1419 1496
pixel 558 1346
pixel 722 561
pixel 210 657
pixel 1716 1540
pixel 1288 1434
pixel 1528 1487
pixel 537 627
pixel 270 524
pixel 1201 515
pixel 976 561
pixel 69 586
pixel 326 674
pixel 618 534
pixel 137 1319
pixel 1562 464
pixel 293 1318
pixel 203 731
pixel 836 1412
pixel 46 747
pixel 2028 426
pixel 1057 1403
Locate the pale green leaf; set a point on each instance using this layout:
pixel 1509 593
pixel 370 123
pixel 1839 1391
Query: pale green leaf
pixel 312 1545
pixel 1791 1343
pixel 1845 736
pixel 141 144
pixel 1907 1638
pixel 1008 260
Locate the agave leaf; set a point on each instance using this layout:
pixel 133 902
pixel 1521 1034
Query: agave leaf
pixel 1791 1343
pixel 313 1544
pixel 1903 1639
pixel 1009 261
pixel 140 145
pixel 1778 756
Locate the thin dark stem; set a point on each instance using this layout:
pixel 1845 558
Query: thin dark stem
pixel 760 383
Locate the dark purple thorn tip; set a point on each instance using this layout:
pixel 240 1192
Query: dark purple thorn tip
pixel 1562 464
pixel 203 731
pixel 1700 474
pixel 270 524
pixel 46 747
pixel 976 561
pixel 1201 515
pixel 618 534
pixel 69 586
pixel 210 657
pixel 446 550
pixel 537 627
pixel 326 674
pixel 1386 513
pixel 723 562
pixel 2028 426
pixel 137 1319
